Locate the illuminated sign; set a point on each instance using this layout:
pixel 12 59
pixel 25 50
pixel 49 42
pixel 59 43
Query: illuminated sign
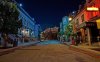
pixel 98 23
pixel 92 9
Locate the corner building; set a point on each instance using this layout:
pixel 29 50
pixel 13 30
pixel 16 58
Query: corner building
pixel 87 23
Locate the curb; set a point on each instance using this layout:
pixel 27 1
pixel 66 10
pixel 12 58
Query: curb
pixel 10 50
pixel 6 51
pixel 86 51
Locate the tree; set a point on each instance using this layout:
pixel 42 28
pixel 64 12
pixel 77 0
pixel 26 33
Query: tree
pixel 9 22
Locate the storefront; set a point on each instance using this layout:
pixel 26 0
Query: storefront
pixel 89 33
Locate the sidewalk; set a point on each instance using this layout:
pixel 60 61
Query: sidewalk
pixel 89 50
pixel 6 51
pixel 28 43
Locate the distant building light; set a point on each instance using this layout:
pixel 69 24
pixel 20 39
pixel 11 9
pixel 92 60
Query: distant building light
pixel 20 5
pixel 73 12
pixel 92 9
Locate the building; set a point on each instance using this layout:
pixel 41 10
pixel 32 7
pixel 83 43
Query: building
pixel 28 24
pixel 63 27
pixel 29 30
pixel 87 22
pixel 63 24
pixel 37 31
pixel 50 33
pixel 65 21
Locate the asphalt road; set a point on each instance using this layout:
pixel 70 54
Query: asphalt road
pixel 47 42
pixel 46 52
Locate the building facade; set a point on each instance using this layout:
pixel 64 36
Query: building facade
pixel 86 23
pixel 28 24
pixel 50 33
pixel 63 27
pixel 37 31
pixel 65 21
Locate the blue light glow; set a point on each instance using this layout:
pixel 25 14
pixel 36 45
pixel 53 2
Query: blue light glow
pixel 20 4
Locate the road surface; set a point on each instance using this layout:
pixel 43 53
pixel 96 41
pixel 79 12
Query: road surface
pixel 49 42
pixel 46 53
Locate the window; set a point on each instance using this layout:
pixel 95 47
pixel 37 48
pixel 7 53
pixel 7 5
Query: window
pixel 82 18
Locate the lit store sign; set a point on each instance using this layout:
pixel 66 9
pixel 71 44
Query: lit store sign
pixel 92 9
pixel 98 23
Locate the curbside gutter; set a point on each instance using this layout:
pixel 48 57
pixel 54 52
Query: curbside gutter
pixel 6 51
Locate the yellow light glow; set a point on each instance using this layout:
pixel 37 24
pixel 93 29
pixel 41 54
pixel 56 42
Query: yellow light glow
pixel 98 23
pixel 93 9
pixel 70 19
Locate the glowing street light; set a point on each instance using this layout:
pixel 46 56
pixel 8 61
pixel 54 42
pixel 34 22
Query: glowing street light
pixel 70 18
pixel 20 5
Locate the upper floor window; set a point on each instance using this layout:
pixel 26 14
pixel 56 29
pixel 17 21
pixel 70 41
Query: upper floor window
pixel 77 21
pixel 82 18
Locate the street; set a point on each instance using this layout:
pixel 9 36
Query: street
pixel 49 42
pixel 49 31
pixel 46 52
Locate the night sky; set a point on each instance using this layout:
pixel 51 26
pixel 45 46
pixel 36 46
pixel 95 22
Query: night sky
pixel 49 13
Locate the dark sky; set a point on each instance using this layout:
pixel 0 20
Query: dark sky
pixel 49 13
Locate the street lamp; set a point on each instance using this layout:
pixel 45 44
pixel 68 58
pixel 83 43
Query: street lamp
pixel 70 18
pixel 20 5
